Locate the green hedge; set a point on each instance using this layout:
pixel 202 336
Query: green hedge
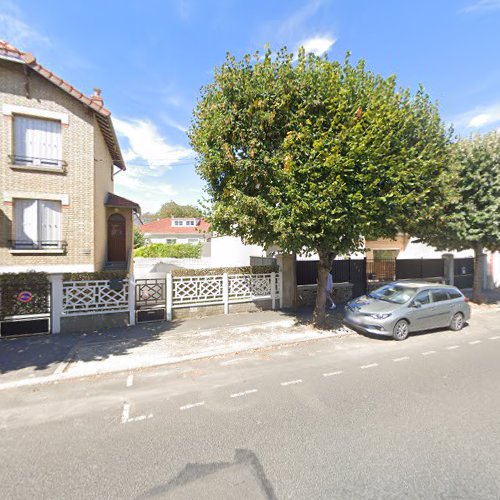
pixel 228 270
pixel 99 275
pixel 177 251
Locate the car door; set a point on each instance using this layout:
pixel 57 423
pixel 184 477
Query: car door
pixel 442 304
pixel 421 311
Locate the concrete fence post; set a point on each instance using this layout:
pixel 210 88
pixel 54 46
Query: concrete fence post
pixel 280 292
pixel 449 268
pixel 131 300
pixel 56 302
pixel 169 291
pixel 225 293
pixel 273 290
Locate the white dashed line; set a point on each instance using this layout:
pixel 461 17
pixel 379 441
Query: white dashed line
pixel 404 358
pixel 473 342
pixel 427 353
pixel 194 405
pixel 232 361
pixel 372 365
pixel 125 413
pixel 450 347
pixel 244 393
pixel 496 337
pixel 330 374
pixel 130 380
pixel 140 417
pixel 290 382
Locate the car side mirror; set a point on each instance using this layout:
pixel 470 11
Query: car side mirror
pixel 416 305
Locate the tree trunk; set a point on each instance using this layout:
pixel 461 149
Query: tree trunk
pixel 325 266
pixel 477 286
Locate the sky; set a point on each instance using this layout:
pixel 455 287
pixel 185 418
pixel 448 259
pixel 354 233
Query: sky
pixel 151 57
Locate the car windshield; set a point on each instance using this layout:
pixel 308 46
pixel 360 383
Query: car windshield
pixel 398 294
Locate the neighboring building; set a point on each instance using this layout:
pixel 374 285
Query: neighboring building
pixel 58 154
pixel 174 230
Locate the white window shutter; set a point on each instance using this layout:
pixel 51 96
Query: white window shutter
pixel 26 221
pixel 50 222
pixel 20 137
pixel 38 140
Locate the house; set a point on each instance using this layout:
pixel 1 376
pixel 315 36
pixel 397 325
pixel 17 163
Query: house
pixel 172 230
pixel 58 158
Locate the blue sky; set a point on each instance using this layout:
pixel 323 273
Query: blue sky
pixel 151 57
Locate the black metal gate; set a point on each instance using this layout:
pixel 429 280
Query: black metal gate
pixel 463 272
pixel 150 299
pixel 420 269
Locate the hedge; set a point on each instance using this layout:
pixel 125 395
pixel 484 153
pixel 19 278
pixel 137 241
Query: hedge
pixel 98 275
pixel 176 251
pixel 228 270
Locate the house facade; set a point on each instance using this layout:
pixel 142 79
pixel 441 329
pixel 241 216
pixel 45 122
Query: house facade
pixel 58 157
pixel 172 230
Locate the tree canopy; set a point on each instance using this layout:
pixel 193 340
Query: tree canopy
pixel 310 154
pixel 172 209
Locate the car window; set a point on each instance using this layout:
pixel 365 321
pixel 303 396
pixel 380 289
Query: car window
pixel 439 295
pixel 423 297
pixel 454 293
pixel 394 293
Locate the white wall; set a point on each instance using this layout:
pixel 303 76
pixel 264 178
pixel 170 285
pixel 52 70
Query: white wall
pixel 418 250
pixel 229 251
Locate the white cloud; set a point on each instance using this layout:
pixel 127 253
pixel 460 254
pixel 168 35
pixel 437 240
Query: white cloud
pixel 318 45
pixel 16 30
pixel 482 6
pixel 480 117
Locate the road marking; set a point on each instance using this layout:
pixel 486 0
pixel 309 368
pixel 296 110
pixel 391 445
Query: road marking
pixel 330 374
pixel 193 405
pixel 130 380
pixel 290 382
pixel 450 347
pixel 244 393
pixel 404 358
pixel 472 342
pixel 140 417
pixel 426 353
pixel 232 361
pixel 125 413
pixel 496 337
pixel 372 365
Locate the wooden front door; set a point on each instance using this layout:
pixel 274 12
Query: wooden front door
pixel 116 238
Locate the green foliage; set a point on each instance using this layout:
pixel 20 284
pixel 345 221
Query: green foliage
pixel 172 209
pixel 178 251
pixel 98 275
pixel 139 238
pixel 229 270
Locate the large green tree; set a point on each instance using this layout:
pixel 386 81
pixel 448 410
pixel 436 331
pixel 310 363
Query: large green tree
pixel 310 154
pixel 172 209
pixel 470 214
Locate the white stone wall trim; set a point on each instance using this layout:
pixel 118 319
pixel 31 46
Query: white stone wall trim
pixel 30 195
pixel 10 109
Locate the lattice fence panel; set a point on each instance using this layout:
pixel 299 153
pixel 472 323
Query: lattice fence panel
pixel 197 290
pixel 93 297
pixel 250 286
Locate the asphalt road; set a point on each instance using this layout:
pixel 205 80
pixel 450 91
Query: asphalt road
pixel 350 417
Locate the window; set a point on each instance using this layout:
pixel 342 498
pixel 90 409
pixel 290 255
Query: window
pixel 170 241
pixel 423 298
pixel 190 223
pixel 178 222
pixel 396 294
pixel 193 241
pixel 454 293
pixel 37 142
pixel 439 295
pixel 38 224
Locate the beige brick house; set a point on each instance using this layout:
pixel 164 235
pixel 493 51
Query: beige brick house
pixel 58 156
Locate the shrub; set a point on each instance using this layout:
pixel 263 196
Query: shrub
pixel 229 270
pixel 177 251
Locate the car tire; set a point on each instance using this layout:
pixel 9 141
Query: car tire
pixel 457 322
pixel 401 330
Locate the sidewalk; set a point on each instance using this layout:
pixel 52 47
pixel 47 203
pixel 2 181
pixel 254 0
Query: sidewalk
pixel 37 360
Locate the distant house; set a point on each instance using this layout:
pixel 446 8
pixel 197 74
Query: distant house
pixel 174 230
pixel 59 156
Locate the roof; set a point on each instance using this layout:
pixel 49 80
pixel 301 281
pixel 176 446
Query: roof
pixel 164 226
pixel 103 115
pixel 113 200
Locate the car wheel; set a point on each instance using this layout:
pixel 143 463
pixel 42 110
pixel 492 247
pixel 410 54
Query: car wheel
pixel 401 330
pixel 457 322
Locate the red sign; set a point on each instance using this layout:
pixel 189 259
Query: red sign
pixel 24 297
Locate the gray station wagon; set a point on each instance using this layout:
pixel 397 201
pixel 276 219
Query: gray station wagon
pixel 401 307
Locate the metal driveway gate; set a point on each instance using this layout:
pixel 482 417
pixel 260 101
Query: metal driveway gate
pixel 150 299
pixel 464 272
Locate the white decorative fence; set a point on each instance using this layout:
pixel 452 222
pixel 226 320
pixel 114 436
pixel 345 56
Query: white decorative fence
pixel 93 297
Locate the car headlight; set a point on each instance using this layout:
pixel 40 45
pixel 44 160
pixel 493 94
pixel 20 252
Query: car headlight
pixel 380 316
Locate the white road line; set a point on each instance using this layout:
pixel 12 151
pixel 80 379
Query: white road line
pixel 130 380
pixel 140 417
pixel 371 365
pixel 472 342
pixel 450 347
pixel 125 413
pixel 427 353
pixel 244 393
pixel 290 382
pixel 194 405
pixel 330 374
pixel 496 337
pixel 404 358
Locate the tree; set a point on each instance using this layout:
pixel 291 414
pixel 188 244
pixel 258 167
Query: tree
pixel 470 215
pixel 310 154
pixel 172 209
pixel 139 238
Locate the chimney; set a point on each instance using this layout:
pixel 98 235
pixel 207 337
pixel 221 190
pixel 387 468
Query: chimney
pixel 97 98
